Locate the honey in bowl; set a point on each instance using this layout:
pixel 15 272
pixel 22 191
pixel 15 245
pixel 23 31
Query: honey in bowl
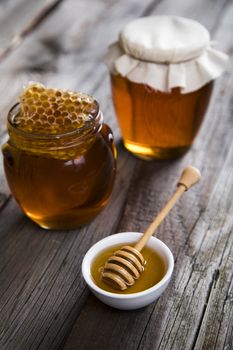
pixel 60 159
pixel 153 273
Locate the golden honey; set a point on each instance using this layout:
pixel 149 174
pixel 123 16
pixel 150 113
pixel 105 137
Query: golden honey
pixel 60 159
pixel 154 270
pixel 157 124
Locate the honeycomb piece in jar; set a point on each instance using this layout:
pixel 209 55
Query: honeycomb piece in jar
pixel 53 111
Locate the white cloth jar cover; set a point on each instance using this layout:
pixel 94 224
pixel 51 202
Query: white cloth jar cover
pixel 165 52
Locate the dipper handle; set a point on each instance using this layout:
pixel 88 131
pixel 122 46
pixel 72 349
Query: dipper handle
pixel 189 177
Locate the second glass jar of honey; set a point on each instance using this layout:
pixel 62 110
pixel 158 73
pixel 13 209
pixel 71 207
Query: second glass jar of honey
pixel 60 159
pixel 162 72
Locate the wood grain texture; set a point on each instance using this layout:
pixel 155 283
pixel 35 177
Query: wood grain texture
pixel 42 294
pixel 180 316
pixel 35 287
pixel 31 25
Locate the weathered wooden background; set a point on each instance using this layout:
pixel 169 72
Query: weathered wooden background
pixel 44 303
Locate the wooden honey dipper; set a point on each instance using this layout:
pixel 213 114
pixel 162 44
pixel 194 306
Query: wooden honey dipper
pixel 125 266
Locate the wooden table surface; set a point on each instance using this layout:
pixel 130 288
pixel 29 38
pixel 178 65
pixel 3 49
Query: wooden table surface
pixel 44 302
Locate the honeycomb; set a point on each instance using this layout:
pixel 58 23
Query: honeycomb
pixel 53 111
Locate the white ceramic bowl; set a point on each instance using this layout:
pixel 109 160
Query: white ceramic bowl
pixel 134 300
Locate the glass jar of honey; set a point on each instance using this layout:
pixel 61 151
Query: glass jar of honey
pixel 162 73
pixel 60 159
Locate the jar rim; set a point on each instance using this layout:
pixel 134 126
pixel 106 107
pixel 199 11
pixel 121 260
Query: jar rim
pixel 96 120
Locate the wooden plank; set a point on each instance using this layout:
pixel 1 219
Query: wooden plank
pixel 197 279
pixel 14 15
pixel 174 322
pixel 50 315
pixel 42 291
pixel 217 325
